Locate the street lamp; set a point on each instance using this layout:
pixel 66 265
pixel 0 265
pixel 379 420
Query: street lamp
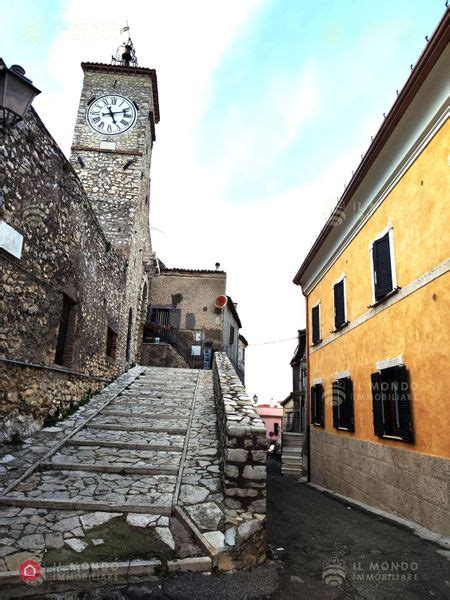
pixel 17 92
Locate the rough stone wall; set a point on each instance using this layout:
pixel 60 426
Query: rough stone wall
pixel 411 485
pixel 119 197
pixel 117 182
pixel 162 355
pixel 242 461
pixel 64 252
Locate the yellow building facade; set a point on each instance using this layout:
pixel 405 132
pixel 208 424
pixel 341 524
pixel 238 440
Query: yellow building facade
pixel 377 289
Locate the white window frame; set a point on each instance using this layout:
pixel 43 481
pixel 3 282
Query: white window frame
pixel 344 279
pixel 320 323
pixel 389 229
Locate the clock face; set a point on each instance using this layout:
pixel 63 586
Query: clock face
pixel 111 114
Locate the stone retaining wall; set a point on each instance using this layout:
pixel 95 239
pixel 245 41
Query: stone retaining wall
pixel 242 461
pixel 30 395
pixel 162 355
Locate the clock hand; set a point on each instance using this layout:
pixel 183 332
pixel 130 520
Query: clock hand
pixel 111 114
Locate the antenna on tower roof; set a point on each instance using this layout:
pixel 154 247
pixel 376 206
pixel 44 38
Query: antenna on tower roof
pixel 125 54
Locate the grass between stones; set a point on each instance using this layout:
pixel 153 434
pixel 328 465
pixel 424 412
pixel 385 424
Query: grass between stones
pixel 121 542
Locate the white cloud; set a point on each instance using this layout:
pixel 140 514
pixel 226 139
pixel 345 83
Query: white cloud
pixel 261 243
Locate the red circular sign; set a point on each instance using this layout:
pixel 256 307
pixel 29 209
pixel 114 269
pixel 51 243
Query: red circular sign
pixel 29 571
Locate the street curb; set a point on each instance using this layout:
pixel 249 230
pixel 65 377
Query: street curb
pixel 422 532
pixel 125 570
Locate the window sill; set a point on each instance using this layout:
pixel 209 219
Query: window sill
pixel 317 343
pixel 318 425
pixel 340 327
pixel 396 438
pixel 388 295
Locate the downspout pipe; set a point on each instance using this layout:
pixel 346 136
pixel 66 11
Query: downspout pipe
pixel 307 399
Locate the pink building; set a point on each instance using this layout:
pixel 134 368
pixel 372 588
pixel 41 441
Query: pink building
pixel 271 415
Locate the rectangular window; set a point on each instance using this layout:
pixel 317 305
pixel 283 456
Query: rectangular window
pixel 391 402
pixel 66 333
pixel 317 405
pixel 340 309
pixel 316 324
pixel 383 267
pixel 231 335
pixel 343 417
pixel 276 429
pixel 111 343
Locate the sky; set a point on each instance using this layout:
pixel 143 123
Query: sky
pixel 266 108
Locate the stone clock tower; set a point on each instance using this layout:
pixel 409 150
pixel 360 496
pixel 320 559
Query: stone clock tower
pixel 111 153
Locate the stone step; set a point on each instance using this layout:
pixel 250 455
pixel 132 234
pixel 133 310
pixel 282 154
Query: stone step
pixel 288 471
pixel 111 427
pixel 135 437
pixel 143 415
pixel 105 443
pixel 148 408
pixel 84 486
pixel 292 452
pixel 152 395
pixel 118 458
pixel 106 468
pixel 61 504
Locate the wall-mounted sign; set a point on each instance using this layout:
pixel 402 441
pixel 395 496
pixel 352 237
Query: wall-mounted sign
pixel 196 350
pixel 10 239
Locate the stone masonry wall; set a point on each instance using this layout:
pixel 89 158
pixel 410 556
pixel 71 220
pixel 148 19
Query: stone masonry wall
pixel 117 181
pixel 162 355
pixel 411 485
pixel 194 294
pixel 64 252
pixel 242 461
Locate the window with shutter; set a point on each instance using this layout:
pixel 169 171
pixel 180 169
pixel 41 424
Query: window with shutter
pixel 66 333
pixel 377 403
pixel 317 405
pixel 111 343
pixel 343 417
pixel 340 317
pixel 316 324
pixel 391 399
pixel 382 267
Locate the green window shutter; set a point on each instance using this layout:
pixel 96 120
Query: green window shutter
pixel 339 304
pixel 316 324
pixel 377 399
pixel 382 267
pixel 349 406
pixel 403 394
pixel 336 401
pixel 313 404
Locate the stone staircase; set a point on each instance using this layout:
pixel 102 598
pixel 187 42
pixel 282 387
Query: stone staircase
pixel 291 454
pixel 103 486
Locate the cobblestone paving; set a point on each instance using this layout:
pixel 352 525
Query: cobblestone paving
pixel 116 474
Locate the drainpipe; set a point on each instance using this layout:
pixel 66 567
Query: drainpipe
pixel 307 399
